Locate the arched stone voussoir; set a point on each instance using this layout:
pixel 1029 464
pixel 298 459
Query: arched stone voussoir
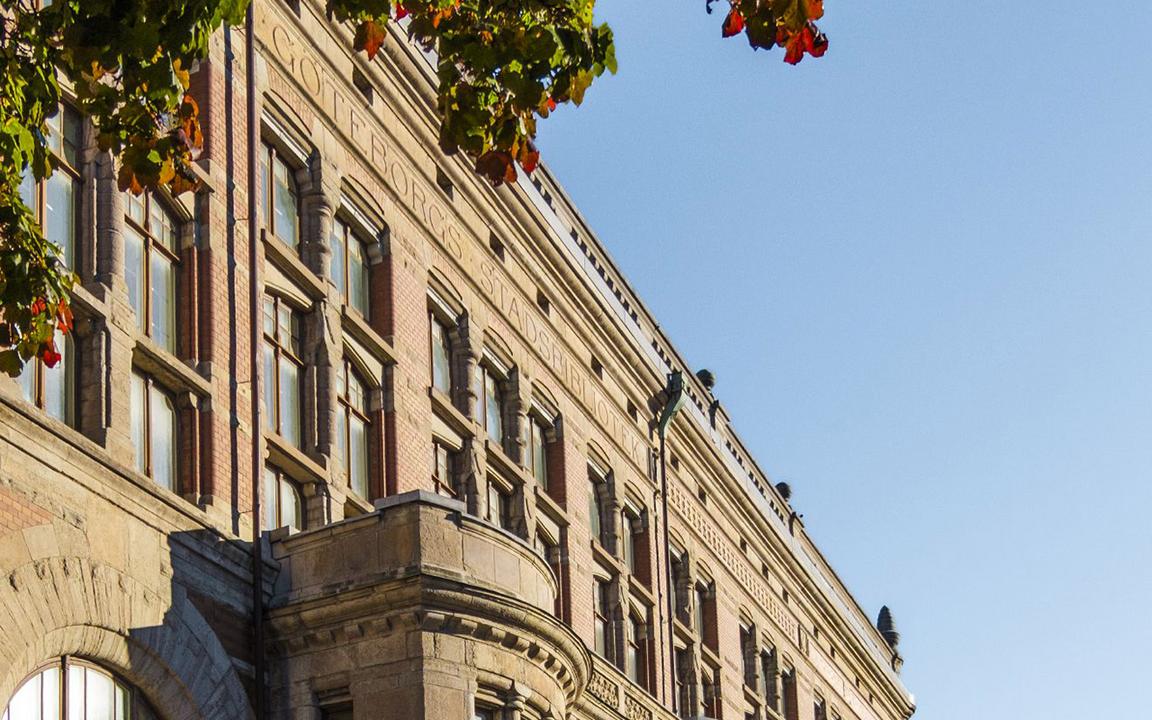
pixel 153 637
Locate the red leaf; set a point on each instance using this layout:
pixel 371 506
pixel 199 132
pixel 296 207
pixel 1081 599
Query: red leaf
pixel 497 167
pixel 551 104
pixel 369 38
pixel 815 9
pixel 733 24
pixel 529 160
pixel 48 354
pixel 819 45
pixel 401 11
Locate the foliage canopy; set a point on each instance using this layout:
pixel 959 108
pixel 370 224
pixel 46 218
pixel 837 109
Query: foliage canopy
pixel 501 64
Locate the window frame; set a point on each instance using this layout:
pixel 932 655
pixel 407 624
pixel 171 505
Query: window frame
pixel 70 166
pixel 152 389
pixel 151 243
pixel 271 155
pixel 347 377
pixel 33 380
pixel 282 480
pixel 139 708
pixel 490 377
pixel 291 352
pixel 350 235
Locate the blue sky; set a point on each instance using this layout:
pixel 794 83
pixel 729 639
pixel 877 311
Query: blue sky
pixel 920 269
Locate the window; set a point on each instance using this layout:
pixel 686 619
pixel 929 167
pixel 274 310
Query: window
pixel 710 678
pixel 788 695
pixel 278 197
pixel 550 551
pixel 602 624
pixel 486 713
pixel 491 405
pixel 748 653
pixel 634 549
pixel 282 369
pixel 537 460
pixel 680 584
pixel 441 341
pixel 819 709
pixel 352 429
pixel 150 257
pixel 499 505
pixel 636 652
pixel 597 489
pixel 53 201
pixel 443 468
pixel 77 691
pixel 350 266
pixel 282 502
pixel 154 431
pixel 53 389
pixel 705 620
pixel 683 681
pixel 768 678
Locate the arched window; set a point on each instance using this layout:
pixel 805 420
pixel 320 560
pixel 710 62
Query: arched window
pixel 352 429
pixel 76 690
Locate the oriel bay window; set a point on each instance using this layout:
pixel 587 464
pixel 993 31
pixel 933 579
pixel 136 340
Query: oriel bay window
pixel 279 197
pixel 282 504
pixel 350 266
pixel 352 429
pixel 282 369
pixel 154 428
pixel 54 201
pixel 150 256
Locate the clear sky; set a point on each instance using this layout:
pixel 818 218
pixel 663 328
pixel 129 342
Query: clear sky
pixel 920 270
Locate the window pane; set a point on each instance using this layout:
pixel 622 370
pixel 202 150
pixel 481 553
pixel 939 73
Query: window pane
pixel 134 206
pixel 58 381
pixel 271 500
pixel 73 128
pixel 76 677
pixel 60 207
pixel 163 328
pixel 28 189
pixel 25 704
pixel 284 210
pixel 162 225
pixel 98 696
pixel 357 278
pixel 494 419
pixel 291 508
pixel 123 703
pixel 134 272
pixel 139 420
pixel 337 242
pixel 441 375
pixel 264 182
pixel 539 460
pixel 27 379
pixel 269 388
pixel 163 436
pixel 341 446
pixel 290 401
pixel 50 696
pixel 358 451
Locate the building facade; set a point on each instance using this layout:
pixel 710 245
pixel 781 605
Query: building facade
pixel 386 448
